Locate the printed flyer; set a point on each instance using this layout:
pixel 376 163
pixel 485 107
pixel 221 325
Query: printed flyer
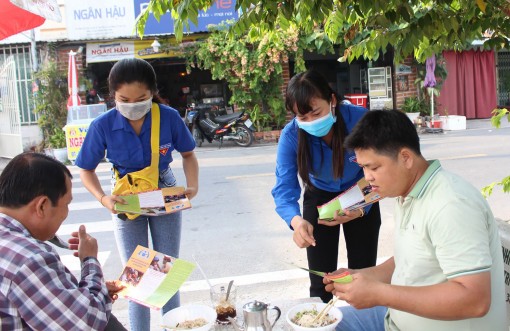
pixel 358 196
pixel 158 202
pixel 152 278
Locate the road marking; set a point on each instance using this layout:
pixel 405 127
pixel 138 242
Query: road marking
pixel 85 205
pixel 73 263
pixel 251 176
pixel 92 227
pixel 462 157
pixel 101 177
pixel 267 277
pixel 106 189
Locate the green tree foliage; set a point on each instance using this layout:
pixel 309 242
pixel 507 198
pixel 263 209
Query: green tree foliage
pixel 498 115
pixel 51 104
pixel 252 65
pixel 363 27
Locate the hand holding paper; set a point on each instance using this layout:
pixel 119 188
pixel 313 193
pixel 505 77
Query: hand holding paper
pixel 358 196
pixel 344 277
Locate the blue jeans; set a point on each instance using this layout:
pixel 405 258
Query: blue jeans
pixel 370 319
pixel 165 233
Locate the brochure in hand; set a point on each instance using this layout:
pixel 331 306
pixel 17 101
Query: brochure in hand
pixel 344 277
pixel 158 202
pixel 152 278
pixel 358 196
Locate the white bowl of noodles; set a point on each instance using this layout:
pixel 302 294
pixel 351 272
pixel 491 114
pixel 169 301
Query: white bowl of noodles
pixel 300 317
pixel 190 317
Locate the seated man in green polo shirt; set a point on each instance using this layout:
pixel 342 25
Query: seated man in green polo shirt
pixel 447 271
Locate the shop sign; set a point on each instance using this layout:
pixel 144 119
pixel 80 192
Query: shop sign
pixel 100 19
pixel 75 135
pixel 219 11
pixel 169 47
pixel 110 51
pixel 403 69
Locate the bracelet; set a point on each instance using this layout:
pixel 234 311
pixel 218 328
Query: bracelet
pixel 362 212
pixel 101 199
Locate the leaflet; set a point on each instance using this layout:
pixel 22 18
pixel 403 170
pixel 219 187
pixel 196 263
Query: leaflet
pixel 158 202
pixel 358 196
pixel 152 278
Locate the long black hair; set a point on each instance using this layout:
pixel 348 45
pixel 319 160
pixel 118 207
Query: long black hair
pixel 302 88
pixel 128 71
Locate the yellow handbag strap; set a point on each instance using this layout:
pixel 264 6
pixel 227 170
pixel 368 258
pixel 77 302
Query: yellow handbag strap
pixel 155 128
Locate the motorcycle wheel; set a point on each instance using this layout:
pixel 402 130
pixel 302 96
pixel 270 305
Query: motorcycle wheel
pixel 245 136
pixel 197 135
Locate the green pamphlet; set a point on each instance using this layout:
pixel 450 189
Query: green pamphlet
pixel 158 202
pixel 152 278
pixel 358 196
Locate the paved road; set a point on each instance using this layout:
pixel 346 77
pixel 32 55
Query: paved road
pixel 235 234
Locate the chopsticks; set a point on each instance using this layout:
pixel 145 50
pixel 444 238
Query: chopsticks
pixel 324 312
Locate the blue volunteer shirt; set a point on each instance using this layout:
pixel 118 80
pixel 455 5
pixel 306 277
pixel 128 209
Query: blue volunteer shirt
pixel 287 190
pixel 111 132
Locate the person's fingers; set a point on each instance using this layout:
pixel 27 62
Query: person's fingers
pixel 82 233
pixel 307 235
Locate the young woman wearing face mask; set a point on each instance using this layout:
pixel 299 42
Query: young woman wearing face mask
pixel 310 147
pixel 124 133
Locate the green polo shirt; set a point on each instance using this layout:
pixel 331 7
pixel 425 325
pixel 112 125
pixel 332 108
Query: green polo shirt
pixel 445 229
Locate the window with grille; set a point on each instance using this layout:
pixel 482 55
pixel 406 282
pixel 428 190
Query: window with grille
pixel 23 60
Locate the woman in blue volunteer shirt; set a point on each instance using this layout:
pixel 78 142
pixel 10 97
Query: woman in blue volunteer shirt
pixel 311 146
pixel 124 133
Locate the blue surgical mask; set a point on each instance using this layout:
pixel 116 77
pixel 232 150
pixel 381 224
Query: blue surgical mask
pixel 319 127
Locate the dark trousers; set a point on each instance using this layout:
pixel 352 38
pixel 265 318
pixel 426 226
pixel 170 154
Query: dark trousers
pixel 361 238
pixel 114 324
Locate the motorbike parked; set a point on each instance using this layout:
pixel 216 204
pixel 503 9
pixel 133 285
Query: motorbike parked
pixel 206 126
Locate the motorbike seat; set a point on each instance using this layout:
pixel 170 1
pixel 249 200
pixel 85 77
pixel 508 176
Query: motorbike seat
pixel 224 119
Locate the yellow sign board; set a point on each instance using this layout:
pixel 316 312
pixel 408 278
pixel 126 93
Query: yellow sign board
pixel 75 134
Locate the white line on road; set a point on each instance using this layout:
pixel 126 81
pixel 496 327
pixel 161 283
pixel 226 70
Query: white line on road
pixel 106 189
pixel 85 205
pixel 260 278
pixel 77 179
pixel 92 227
pixel 74 265
pixel 251 176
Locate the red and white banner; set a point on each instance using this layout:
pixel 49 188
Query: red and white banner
pixel 72 82
pixel 21 15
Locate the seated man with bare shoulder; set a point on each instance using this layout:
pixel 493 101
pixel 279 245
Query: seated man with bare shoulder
pixel 37 292
pixel 447 271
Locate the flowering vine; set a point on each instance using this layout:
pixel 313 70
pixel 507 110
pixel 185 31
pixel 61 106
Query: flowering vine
pixel 252 65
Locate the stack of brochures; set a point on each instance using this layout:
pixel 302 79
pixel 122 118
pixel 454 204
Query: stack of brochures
pixel 358 196
pixel 164 201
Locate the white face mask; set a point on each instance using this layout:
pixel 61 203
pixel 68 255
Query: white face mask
pixel 134 110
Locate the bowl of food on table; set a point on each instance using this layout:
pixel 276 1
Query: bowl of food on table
pixel 190 317
pixel 313 316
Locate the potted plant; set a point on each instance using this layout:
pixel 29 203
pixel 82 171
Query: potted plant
pixel 414 107
pixel 51 108
pixel 57 142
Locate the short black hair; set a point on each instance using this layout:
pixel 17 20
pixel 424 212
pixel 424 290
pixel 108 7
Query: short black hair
pixel 128 71
pixel 29 175
pixel 384 131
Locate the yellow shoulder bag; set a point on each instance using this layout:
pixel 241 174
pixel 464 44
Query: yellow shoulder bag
pixel 146 179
